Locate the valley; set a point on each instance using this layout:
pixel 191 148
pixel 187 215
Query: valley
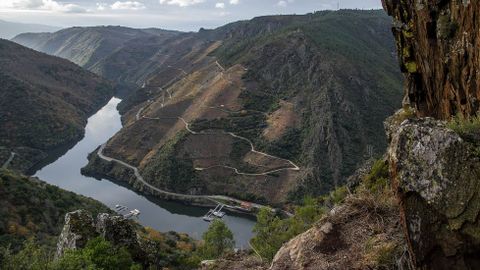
pixel 223 117
pixel 281 142
pixel 161 215
pixel 254 115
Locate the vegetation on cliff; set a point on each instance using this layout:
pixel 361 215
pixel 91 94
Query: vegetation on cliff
pixel 32 208
pixel 44 102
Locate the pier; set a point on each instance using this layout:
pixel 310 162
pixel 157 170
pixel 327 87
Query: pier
pixel 214 213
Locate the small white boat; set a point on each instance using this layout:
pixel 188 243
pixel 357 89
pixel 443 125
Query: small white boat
pixel 219 214
pixel 135 212
pixel 208 218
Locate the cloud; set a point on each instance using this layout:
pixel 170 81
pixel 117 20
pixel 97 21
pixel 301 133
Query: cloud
pixel 50 5
pixel 181 3
pixel 234 2
pixel 102 6
pixel 284 3
pixel 220 5
pixel 127 5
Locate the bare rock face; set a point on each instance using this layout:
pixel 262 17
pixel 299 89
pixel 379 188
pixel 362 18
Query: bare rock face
pixel 436 174
pixel 438 45
pixel 117 230
pixel 80 227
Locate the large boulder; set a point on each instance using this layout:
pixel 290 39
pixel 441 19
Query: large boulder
pixel 80 227
pixel 436 176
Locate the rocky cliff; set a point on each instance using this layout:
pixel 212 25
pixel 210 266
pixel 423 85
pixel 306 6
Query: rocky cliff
pixel 436 176
pixel 438 45
pixel 433 164
pixel 148 248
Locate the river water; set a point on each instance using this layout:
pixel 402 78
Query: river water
pixel 161 215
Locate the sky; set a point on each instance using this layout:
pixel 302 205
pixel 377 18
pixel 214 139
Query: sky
pixel 185 15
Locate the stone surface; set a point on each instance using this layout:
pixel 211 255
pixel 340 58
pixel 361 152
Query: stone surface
pixel 438 45
pixel 436 175
pixel 78 229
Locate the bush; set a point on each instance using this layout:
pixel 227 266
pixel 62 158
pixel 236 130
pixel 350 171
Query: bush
pixel 378 177
pixel 217 240
pixel 465 125
pixel 271 232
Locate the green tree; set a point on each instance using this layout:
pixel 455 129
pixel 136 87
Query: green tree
pixel 31 257
pixel 218 240
pixel 271 232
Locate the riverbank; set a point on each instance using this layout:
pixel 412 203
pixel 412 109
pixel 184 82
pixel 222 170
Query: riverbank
pixel 160 214
pixel 115 171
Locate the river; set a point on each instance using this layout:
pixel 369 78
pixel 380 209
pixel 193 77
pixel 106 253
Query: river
pixel 161 215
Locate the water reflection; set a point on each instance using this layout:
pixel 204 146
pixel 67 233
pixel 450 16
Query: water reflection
pixel 161 215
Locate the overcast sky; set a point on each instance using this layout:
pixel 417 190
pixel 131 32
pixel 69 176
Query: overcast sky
pixel 168 14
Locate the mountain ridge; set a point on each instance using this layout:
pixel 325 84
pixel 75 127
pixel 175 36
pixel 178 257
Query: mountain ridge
pixel 45 102
pixel 249 78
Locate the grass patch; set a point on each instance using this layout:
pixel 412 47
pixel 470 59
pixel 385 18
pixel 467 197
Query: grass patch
pixel 465 125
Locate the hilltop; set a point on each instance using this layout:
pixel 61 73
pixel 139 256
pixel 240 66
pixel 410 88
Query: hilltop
pixel 113 52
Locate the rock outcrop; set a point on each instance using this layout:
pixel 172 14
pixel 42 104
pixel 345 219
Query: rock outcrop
pixel 80 227
pixel 148 248
pixel 438 45
pixel 362 233
pixel 436 174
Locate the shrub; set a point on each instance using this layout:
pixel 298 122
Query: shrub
pixel 217 240
pixel 465 125
pixel 378 177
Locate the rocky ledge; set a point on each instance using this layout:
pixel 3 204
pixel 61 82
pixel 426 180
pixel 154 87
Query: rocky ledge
pixel 80 227
pixel 436 176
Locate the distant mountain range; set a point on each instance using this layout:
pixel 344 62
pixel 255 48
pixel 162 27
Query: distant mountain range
pixel 9 30
pixel 118 53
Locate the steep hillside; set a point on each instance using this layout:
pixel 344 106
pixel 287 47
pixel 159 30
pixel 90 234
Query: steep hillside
pixel 91 47
pixel 44 103
pixel 32 208
pixel 291 102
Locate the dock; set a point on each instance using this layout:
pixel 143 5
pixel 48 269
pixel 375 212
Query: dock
pixel 214 213
pixel 121 209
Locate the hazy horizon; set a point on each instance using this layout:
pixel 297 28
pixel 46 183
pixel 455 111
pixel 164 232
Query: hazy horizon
pixel 183 15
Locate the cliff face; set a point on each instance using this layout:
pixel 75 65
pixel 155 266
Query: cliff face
pixel 438 45
pixel 435 173
pixel 434 169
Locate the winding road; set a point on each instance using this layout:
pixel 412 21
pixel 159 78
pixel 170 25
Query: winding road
pixel 5 165
pixel 294 166
pixel 213 198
